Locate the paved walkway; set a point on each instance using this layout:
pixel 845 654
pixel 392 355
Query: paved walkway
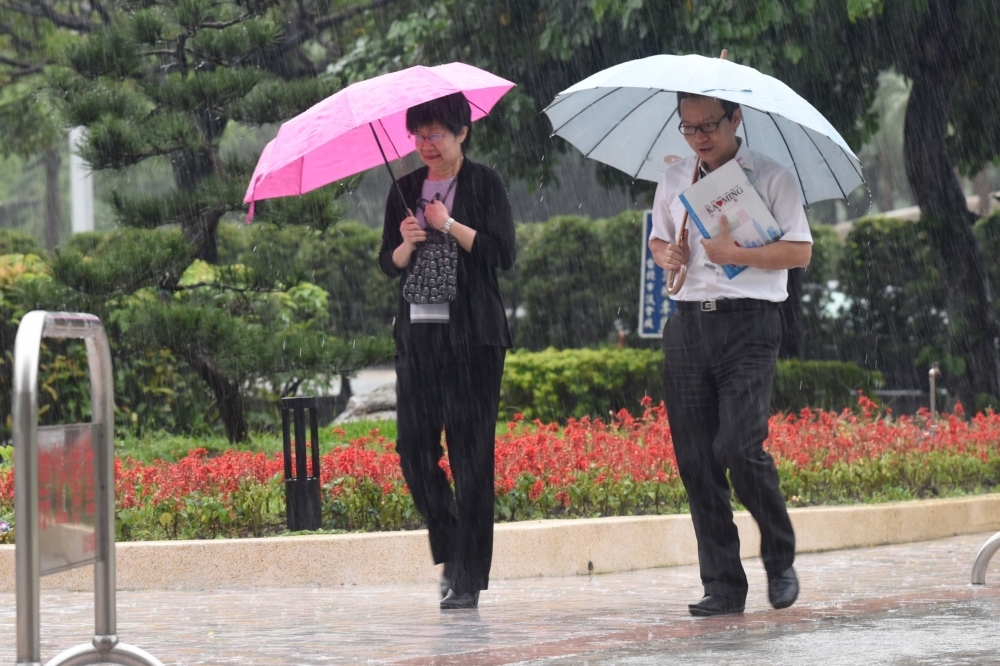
pixel 910 604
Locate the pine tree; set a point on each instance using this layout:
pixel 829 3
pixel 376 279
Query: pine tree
pixel 161 82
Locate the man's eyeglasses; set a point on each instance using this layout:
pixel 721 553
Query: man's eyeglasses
pixel 706 128
pixel 435 138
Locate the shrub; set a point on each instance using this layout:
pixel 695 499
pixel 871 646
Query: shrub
pixel 830 385
pixel 553 385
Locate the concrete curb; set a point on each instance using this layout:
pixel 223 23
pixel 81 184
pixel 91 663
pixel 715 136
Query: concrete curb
pixel 521 550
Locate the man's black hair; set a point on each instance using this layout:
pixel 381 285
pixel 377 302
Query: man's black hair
pixel 727 107
pixel 451 111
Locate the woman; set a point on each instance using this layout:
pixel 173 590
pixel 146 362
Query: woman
pixel 445 238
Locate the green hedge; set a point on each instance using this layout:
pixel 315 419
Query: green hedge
pixel 552 385
pixel 830 385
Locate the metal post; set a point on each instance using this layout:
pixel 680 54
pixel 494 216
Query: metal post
pixel 27 346
pixel 932 375
pixel 302 491
pixel 104 647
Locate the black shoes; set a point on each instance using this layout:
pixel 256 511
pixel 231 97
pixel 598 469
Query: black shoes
pixel 460 600
pixel 713 604
pixel 783 588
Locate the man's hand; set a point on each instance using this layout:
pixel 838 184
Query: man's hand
pixel 411 231
pixel 722 249
pixel 670 256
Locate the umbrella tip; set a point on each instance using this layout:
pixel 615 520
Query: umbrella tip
pixel 725 54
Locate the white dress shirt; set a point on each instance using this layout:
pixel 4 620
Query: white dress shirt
pixel 705 281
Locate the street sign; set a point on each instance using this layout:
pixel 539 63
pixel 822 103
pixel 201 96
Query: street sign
pixel 655 306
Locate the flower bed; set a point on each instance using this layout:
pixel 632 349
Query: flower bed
pixel 585 469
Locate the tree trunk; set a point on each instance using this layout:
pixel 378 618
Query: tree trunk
pixel 981 187
pixel 227 394
pixel 792 333
pixel 53 202
pixel 941 49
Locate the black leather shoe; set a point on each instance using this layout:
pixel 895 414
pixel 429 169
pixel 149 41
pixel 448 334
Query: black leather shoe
pixel 459 600
pixel 783 588
pixel 447 576
pixel 713 604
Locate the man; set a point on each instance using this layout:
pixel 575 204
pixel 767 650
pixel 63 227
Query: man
pixel 720 349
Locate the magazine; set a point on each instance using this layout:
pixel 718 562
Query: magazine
pixel 726 191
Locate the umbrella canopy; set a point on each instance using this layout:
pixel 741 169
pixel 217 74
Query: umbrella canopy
pixel 361 126
pixel 626 116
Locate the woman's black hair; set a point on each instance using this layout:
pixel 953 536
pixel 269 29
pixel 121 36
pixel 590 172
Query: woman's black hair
pixel 727 107
pixel 451 111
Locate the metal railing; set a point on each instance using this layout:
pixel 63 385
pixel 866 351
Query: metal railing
pixel 77 526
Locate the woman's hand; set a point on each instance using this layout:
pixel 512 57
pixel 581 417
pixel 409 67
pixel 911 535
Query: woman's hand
pixel 411 232
pixel 436 214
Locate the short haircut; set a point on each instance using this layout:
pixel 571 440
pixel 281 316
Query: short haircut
pixel 727 107
pixel 451 111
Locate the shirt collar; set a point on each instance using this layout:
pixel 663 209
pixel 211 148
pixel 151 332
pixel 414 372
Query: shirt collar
pixel 743 156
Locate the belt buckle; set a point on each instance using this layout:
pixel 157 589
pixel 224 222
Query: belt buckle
pixel 708 306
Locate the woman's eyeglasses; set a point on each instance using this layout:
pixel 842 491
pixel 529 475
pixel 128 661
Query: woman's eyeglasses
pixel 435 138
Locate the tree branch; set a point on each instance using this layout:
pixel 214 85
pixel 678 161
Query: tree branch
pixel 334 20
pixel 101 11
pixel 25 67
pixel 41 9
pixel 223 287
pixel 219 25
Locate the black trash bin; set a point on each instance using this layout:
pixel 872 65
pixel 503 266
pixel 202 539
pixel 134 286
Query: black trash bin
pixel 302 492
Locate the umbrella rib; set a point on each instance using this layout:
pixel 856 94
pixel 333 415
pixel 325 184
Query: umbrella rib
pixel 785 141
pixel 620 121
pixel 653 145
pixel 557 101
pixel 485 113
pixel 387 168
pixel 391 142
pixel 827 163
pixel 571 119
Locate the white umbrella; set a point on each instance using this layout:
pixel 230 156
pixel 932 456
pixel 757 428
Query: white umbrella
pixel 626 116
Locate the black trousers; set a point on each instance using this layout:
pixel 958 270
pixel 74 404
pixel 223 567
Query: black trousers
pixel 717 381
pixel 438 387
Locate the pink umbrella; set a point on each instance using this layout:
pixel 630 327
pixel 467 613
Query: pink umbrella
pixel 351 130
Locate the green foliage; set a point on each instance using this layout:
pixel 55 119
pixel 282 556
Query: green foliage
pixel 574 278
pixel 828 385
pixel 122 261
pixel 19 242
pixel 554 385
pixel 897 319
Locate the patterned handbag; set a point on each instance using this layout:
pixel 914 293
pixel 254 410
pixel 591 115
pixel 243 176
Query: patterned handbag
pixel 433 278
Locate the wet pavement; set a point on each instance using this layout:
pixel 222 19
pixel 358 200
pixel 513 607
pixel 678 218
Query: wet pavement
pixel 909 604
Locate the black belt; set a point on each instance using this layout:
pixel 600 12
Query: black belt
pixel 726 305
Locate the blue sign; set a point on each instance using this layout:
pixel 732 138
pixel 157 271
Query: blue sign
pixel 655 306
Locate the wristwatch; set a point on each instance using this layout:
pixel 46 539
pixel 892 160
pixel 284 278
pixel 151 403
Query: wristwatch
pixel 447 225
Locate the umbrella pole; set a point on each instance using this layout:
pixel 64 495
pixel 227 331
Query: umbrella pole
pixel 389 169
pixel 675 279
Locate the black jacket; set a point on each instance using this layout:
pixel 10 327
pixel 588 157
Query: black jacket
pixel 477 312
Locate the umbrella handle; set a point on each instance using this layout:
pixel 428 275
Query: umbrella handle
pixel 675 279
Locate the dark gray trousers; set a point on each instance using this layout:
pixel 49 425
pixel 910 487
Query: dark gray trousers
pixel 458 390
pixel 717 381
